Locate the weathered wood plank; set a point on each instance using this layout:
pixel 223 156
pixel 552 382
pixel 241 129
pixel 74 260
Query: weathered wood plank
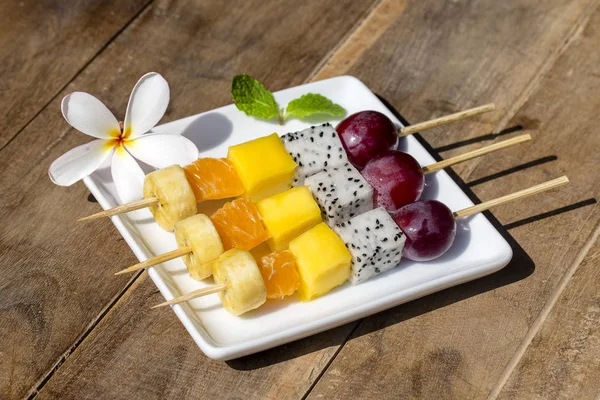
pixel 43 44
pixel 141 353
pixel 453 345
pixel 56 275
pixel 562 361
pixel 442 57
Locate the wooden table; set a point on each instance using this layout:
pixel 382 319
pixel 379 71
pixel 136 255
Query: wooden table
pixel 70 329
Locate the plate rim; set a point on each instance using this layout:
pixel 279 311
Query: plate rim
pixel 225 352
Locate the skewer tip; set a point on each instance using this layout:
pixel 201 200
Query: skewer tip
pixel 89 217
pixel 121 272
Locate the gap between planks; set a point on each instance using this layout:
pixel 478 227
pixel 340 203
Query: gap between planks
pixel 137 279
pixel 380 16
pixel 327 67
pixel 37 387
pixel 537 78
pixel 542 316
pixel 133 282
pixel 77 74
pixel 330 67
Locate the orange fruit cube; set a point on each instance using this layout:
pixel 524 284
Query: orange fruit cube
pixel 239 225
pixel 213 179
pixel 280 274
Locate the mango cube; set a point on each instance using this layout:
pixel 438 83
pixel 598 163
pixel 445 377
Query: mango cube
pixel 323 261
pixel 287 215
pixel 263 165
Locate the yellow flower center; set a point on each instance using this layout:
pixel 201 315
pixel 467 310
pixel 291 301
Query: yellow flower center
pixel 118 137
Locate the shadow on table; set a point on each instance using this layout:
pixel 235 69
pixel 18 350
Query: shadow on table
pixel 520 267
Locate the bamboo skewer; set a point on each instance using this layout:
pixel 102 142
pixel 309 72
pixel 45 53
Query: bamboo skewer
pixel 409 130
pixel 563 180
pixel 195 294
pixel 136 205
pixel 475 153
pixel 157 260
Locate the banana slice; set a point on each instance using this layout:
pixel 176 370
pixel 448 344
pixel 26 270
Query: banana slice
pixel 174 193
pixel 245 287
pixel 199 234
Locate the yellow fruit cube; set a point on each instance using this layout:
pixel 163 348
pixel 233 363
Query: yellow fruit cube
pixel 323 261
pixel 263 165
pixel 287 215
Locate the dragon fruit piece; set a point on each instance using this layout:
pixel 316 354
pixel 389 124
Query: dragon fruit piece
pixel 375 242
pixel 341 192
pixel 314 149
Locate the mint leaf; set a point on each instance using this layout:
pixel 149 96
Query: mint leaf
pixel 310 104
pixel 251 97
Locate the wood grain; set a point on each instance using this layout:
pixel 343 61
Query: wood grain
pixel 562 361
pixel 43 45
pixel 141 353
pixel 57 276
pixel 428 58
pixel 459 342
pixel 437 58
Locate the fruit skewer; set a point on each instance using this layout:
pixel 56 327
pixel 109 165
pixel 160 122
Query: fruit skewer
pixel 411 230
pixel 340 193
pixel 311 152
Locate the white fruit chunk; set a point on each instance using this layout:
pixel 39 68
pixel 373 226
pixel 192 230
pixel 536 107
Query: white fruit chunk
pixel 342 193
pixel 375 242
pixel 314 149
pixel 199 234
pixel 245 286
pixel 176 200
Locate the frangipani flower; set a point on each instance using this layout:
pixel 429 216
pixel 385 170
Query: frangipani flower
pixel 147 105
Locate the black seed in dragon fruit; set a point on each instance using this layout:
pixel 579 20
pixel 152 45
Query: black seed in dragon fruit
pixel 375 242
pixel 314 149
pixel 341 192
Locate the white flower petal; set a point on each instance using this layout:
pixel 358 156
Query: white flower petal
pixel 128 176
pixel 161 150
pixel 79 162
pixel 147 104
pixel 89 115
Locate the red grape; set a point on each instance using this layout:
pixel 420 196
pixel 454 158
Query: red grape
pixel 429 227
pixel 365 135
pixel 396 177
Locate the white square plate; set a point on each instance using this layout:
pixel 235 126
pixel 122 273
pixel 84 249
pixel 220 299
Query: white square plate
pixel 479 249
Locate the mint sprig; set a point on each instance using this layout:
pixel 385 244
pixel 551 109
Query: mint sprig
pixel 311 104
pixel 251 97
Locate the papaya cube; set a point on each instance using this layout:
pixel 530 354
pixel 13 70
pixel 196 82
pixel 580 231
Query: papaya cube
pixel 323 261
pixel 263 165
pixel 287 215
